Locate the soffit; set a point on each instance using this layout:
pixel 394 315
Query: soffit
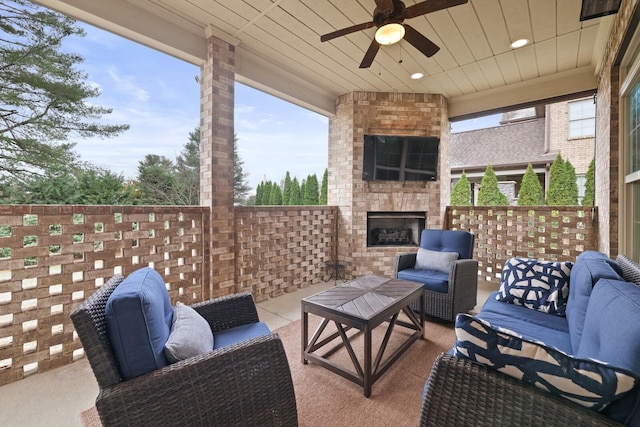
pixel 279 50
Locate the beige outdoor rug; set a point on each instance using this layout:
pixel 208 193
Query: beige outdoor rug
pixel 326 399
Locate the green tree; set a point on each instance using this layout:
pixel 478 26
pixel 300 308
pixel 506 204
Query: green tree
pixel 156 180
pixel 489 194
pixel 98 186
pixel 590 185
pixel 266 192
pixel 311 191
pixel 461 193
pixel 187 172
pixel 241 186
pixel 324 189
pixel 54 187
pixel 44 98
pixel 286 192
pixel 563 187
pixel 530 193
pixel 275 197
pixel 296 197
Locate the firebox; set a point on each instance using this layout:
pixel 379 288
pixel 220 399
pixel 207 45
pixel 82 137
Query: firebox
pixel 394 228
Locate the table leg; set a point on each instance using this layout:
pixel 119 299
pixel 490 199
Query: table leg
pixel 304 334
pixel 367 361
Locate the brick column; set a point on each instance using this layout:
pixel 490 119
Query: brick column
pixel 216 160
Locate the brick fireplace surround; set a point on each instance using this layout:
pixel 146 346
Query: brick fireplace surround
pixel 406 114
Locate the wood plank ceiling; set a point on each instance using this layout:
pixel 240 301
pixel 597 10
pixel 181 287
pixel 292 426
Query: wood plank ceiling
pixel 279 48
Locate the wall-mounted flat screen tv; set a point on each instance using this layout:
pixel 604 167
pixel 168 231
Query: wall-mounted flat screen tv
pixel 400 158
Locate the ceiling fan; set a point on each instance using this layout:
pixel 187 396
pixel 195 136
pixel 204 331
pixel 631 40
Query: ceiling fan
pixel 389 16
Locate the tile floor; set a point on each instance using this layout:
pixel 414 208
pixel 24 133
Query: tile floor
pixel 56 398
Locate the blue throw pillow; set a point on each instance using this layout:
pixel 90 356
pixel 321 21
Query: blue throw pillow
pixel 588 382
pixel 138 316
pixel 538 285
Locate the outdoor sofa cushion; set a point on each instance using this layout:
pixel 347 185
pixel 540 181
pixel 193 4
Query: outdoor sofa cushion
pixel 139 315
pixel 588 382
pixel 240 333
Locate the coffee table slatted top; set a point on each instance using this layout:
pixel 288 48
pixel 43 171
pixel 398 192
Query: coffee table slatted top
pixel 364 297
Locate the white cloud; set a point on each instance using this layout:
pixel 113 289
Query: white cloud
pixel 127 85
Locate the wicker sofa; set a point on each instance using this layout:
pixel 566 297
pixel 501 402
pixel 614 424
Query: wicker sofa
pixel 490 377
pixel 245 383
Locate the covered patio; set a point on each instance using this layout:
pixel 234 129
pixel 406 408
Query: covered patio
pixel 275 46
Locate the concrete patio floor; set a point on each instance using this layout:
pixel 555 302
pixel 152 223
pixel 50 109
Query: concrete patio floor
pixel 57 397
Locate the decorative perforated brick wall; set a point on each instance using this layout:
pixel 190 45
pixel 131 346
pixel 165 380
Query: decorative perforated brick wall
pixel 53 257
pixel 552 233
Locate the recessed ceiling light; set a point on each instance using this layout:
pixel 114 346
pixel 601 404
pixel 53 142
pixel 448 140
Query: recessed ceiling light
pixel 416 76
pixel 519 43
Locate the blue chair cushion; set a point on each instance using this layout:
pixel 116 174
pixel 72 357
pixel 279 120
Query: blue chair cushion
pixel 588 382
pixel 537 285
pixel 240 333
pixel 590 266
pixel 457 241
pixel 432 279
pixel 138 316
pixel 612 333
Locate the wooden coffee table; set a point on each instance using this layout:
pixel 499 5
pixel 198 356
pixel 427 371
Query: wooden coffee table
pixel 364 304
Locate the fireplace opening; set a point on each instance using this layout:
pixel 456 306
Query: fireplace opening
pixel 394 228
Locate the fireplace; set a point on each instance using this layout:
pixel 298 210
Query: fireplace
pixel 394 228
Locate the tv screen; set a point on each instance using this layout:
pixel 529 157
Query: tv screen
pixel 400 158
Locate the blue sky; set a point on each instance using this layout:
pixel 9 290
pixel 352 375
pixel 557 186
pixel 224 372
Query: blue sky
pixel 158 96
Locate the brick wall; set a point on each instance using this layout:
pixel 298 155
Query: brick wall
pixel 552 233
pixel 283 248
pixel 361 113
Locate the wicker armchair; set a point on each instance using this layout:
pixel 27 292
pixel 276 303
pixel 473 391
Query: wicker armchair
pixel 248 383
pixel 461 281
pixel 463 393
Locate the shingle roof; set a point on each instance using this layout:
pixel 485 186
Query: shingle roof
pixel 514 143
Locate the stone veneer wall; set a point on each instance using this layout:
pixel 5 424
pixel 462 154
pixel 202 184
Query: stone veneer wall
pixel 360 113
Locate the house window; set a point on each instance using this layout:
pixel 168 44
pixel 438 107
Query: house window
pixel 582 118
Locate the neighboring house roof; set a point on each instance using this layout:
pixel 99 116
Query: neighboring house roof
pixel 514 144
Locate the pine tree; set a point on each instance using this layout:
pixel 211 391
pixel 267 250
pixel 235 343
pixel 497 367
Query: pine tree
pixel 286 192
pixel 311 191
pixel 489 194
pixel 295 198
pixel 275 196
pixel 530 193
pixel 266 193
pixel 563 188
pixel 571 183
pixel 590 185
pixel 241 186
pixel 324 190
pixel 461 193
pixel 259 192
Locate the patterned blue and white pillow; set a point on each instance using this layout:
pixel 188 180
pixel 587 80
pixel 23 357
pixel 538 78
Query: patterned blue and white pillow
pixel 538 285
pixel 588 382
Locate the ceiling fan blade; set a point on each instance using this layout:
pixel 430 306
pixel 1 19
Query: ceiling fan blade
pixel 370 55
pixel 348 30
pixel 385 6
pixel 420 42
pixel 430 6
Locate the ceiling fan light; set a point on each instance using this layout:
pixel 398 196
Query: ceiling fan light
pixel 390 34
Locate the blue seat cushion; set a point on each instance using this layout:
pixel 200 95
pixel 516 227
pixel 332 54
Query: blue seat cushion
pixel 588 382
pixel 530 324
pixel 590 266
pixel 138 316
pixel 612 333
pixel 432 279
pixel 240 333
